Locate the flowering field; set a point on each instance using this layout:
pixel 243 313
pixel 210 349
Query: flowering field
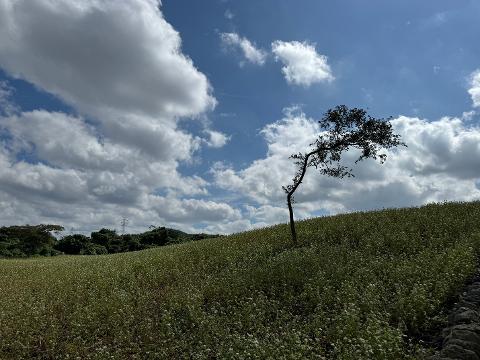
pixel 359 286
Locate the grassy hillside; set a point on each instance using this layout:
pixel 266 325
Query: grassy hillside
pixel 359 286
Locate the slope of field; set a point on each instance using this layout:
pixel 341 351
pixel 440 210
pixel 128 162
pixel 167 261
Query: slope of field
pixel 359 286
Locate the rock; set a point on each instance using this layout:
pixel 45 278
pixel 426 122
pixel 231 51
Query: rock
pixel 464 315
pixel 468 304
pixel 462 337
pixel 473 294
pixel 457 352
pixel 465 344
pixel 474 328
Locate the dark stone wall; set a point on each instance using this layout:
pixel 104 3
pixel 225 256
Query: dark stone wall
pixel 461 339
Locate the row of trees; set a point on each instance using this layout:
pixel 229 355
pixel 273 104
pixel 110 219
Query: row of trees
pixel 108 241
pixel 27 240
pixel 24 241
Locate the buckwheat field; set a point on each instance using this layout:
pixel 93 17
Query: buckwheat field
pixel 359 286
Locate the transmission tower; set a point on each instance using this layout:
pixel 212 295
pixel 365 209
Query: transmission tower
pixel 124 223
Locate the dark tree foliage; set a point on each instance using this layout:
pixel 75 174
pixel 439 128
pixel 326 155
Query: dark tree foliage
pixel 94 249
pixel 28 240
pixel 157 236
pixel 23 241
pixel 342 129
pixel 104 237
pixel 72 244
pixel 132 243
pixel 78 244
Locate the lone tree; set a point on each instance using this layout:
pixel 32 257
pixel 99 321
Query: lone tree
pixel 343 128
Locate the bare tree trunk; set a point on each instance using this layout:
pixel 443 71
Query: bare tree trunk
pixel 292 220
pixel 296 183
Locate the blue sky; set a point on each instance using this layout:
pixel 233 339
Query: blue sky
pixel 401 57
pixel 184 113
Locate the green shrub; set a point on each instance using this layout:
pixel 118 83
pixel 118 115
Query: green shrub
pixel 73 244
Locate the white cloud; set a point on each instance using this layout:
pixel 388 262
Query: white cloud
pixel 442 162
pixel 88 199
pixel 262 180
pixel 120 62
pixel 120 65
pixel 229 227
pixel 251 53
pixel 35 181
pixel 266 215
pixel 448 146
pixel 76 145
pixel 6 105
pixel 474 90
pixel 120 56
pixel 302 64
pixel 216 139
pixel 229 14
pixel 191 210
pixel 156 138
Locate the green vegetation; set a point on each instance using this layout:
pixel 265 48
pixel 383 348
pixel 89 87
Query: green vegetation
pixel 27 240
pixel 108 241
pixel 358 286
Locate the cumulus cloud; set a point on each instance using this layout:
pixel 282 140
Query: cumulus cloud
pixel 191 210
pixel 34 193
pixel 440 163
pixel 83 170
pixel 474 90
pixel 76 146
pixel 216 139
pixel 121 56
pixel 448 146
pixel 266 215
pixel 118 62
pixel 302 64
pixel 120 66
pixel 6 105
pixel 262 180
pixel 251 53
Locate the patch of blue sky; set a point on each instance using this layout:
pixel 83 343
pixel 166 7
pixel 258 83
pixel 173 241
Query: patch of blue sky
pixel 29 97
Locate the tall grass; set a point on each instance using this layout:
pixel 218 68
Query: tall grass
pixel 359 286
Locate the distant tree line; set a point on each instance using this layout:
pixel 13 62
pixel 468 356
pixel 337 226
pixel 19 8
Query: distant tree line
pixel 27 240
pixel 38 240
